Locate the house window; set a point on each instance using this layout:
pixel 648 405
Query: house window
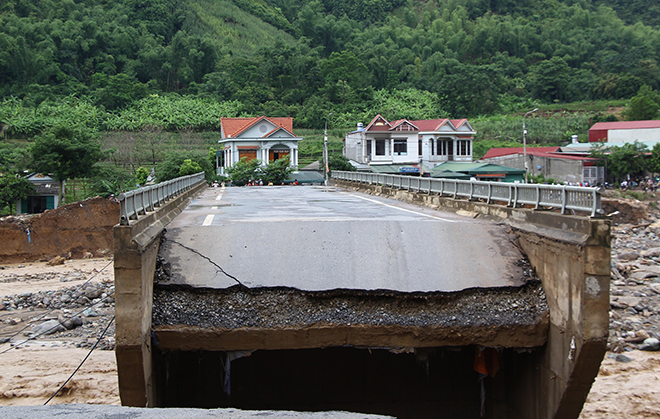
pixel 419 146
pixel 463 148
pixel 444 147
pixel 369 149
pixel 380 147
pixel 400 147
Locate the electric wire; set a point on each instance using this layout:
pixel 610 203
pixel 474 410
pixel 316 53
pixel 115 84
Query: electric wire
pixel 83 361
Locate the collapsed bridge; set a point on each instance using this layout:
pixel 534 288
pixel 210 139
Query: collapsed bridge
pixel 317 299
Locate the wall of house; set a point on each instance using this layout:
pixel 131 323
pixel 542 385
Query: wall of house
pixel 560 170
pixel 632 135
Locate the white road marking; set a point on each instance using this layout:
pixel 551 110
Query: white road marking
pixel 208 220
pixel 219 197
pixel 215 207
pixel 404 209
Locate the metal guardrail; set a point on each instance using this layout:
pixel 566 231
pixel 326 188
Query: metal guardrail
pixel 577 198
pixel 139 201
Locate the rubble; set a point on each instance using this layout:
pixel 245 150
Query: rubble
pixel 635 286
pixel 77 314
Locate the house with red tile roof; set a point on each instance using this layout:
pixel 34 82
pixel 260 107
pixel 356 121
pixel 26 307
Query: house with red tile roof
pixel 262 138
pixel 405 146
pixel 550 162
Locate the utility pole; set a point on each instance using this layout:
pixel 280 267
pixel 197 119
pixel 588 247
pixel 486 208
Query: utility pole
pixel 525 141
pixel 325 151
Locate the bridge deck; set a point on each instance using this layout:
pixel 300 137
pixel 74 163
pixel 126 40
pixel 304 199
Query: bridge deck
pixel 317 239
pixel 307 267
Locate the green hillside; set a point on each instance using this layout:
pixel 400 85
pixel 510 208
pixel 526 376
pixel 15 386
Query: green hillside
pixel 305 58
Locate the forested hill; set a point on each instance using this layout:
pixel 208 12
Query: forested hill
pixel 305 58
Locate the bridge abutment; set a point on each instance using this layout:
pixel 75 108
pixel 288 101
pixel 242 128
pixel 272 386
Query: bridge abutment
pixel 135 252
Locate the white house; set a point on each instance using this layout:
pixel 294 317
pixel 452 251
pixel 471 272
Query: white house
pixel 262 138
pixel 409 146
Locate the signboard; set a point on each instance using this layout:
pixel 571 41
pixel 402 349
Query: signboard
pixel 409 169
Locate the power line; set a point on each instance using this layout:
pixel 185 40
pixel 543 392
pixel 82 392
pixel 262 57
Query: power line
pixel 83 361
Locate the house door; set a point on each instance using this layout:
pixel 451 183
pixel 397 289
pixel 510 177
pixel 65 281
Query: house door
pixel 36 204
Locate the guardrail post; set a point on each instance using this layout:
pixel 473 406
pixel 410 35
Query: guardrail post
pixel 514 203
pixel 538 196
pixel 596 209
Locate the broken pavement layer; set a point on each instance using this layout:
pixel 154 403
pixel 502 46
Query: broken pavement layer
pixel 187 318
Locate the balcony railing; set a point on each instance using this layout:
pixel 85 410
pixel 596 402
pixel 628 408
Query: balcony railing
pixel 139 201
pixel 565 198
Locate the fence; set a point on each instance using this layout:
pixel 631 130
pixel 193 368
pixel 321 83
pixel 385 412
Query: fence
pixel 147 198
pixel 576 198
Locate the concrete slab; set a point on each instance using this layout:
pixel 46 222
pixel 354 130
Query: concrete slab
pixel 318 239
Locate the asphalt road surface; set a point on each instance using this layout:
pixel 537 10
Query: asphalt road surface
pixel 324 238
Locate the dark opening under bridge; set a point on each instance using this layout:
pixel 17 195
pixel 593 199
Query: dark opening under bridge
pixel 342 298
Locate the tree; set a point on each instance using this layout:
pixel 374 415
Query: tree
pixel 170 168
pixel 626 160
pixel 653 163
pixel 67 153
pixel 141 175
pixel 345 67
pixel 189 167
pixel 644 106
pixel 276 171
pixel 13 188
pixel 243 171
pixel 340 163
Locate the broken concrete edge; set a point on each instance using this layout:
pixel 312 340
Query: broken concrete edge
pixel 135 251
pixel 183 327
pixel 193 338
pixel 571 255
